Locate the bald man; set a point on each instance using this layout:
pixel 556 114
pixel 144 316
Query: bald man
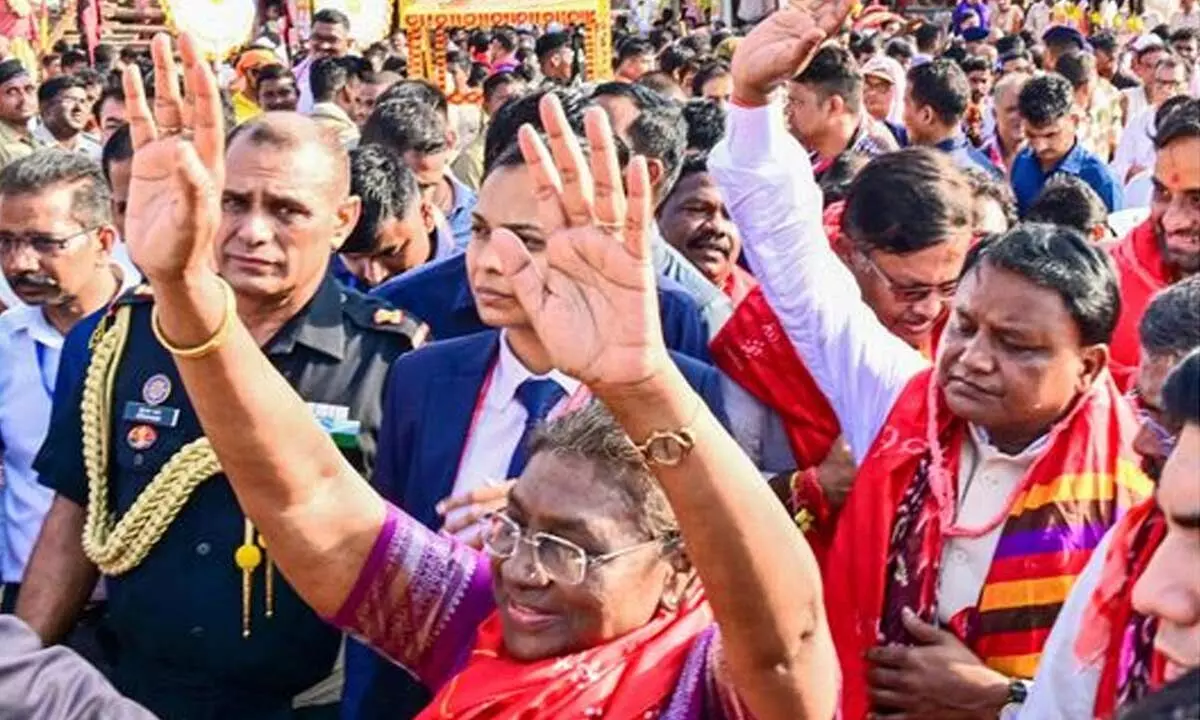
pixel 189 645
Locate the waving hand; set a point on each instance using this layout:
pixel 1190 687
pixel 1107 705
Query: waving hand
pixel 595 307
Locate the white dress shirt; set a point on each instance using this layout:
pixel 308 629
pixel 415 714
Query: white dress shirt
pixel 987 477
pixel 767 183
pixel 500 421
pixel 30 348
pixel 1135 102
pixel 1136 148
pixel 860 366
pixel 84 144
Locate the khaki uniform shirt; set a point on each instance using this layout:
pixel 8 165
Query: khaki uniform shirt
pixel 15 143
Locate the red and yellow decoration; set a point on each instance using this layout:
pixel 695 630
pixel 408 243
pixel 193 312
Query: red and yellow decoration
pixel 426 23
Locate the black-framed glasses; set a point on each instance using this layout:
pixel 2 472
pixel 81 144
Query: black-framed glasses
pixel 560 560
pixel 910 294
pixel 39 243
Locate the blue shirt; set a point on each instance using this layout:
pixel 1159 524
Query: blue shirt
pixel 967 156
pixel 1028 178
pixel 29 351
pixel 459 217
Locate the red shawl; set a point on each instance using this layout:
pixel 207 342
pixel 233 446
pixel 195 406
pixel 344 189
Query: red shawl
pixel 754 351
pixel 738 285
pixel 629 677
pixel 1141 272
pixel 1110 625
pixel 1087 459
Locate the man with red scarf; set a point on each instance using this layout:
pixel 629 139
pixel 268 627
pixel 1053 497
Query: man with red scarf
pixel 1100 655
pixel 1166 247
pixel 903 233
pixel 986 482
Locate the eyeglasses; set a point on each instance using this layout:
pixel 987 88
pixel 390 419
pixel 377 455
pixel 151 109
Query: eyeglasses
pixel 910 294
pixel 41 244
pixel 562 561
pixel 1148 417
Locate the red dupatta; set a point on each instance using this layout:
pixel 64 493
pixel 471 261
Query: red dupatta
pixel 888 542
pixel 628 677
pixel 1114 635
pixel 1142 273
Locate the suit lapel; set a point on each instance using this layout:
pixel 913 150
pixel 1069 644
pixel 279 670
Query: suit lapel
pixel 452 399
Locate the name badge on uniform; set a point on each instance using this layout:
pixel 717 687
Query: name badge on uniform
pixel 151 414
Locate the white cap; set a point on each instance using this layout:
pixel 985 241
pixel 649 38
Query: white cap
pixel 1144 42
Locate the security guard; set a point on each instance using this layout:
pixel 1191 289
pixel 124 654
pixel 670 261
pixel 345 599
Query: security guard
pixel 206 628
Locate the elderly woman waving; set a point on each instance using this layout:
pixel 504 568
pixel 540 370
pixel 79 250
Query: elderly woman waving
pixel 641 568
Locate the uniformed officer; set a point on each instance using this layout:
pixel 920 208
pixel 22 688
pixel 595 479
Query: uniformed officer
pixel 206 627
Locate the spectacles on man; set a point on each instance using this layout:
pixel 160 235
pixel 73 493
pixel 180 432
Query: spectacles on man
pixel 47 245
pixel 906 293
pixel 560 560
pixel 1151 418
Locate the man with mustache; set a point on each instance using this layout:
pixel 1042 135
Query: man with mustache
pixel 693 220
pixel 1166 247
pixel 204 626
pixel 64 115
pixel 56 234
pixel 1082 673
pixel 984 481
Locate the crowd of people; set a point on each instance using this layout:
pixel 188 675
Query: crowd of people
pixel 841 364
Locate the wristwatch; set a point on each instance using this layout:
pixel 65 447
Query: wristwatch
pixel 1018 690
pixel 667 449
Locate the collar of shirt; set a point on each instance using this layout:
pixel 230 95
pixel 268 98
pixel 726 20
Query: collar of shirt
pixel 30 320
pixel 463 197
pixel 332 111
pixel 10 134
pixel 1072 162
pixel 985 450
pixel 318 326
pixel 82 142
pixel 511 372
pixel 958 141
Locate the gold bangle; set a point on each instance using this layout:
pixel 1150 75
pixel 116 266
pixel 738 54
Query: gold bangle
pixel 213 343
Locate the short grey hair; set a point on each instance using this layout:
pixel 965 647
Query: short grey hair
pixel 593 434
pixel 50 167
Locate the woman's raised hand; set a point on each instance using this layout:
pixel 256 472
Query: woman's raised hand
pixel 595 307
pixel 178 164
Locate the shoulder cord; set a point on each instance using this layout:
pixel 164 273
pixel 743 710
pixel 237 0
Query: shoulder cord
pixel 116 546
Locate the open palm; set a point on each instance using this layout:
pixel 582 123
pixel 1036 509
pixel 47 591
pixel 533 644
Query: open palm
pixel 782 44
pixel 594 308
pixel 178 164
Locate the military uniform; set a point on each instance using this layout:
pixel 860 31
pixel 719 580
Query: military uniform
pixel 15 143
pixel 178 613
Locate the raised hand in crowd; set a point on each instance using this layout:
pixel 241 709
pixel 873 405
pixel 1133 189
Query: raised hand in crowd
pixel 780 46
pixel 594 309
